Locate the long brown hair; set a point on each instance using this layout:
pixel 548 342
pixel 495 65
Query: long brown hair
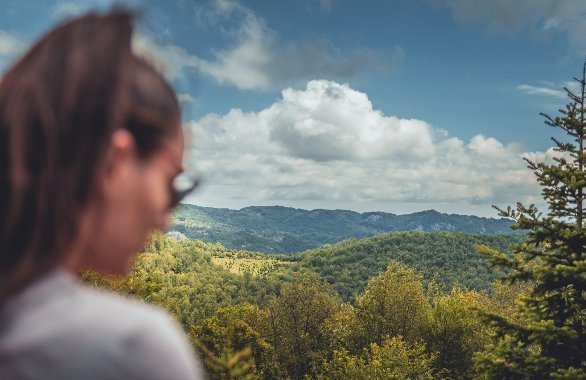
pixel 59 105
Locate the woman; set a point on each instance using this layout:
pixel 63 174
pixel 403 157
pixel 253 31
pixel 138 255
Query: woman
pixel 90 144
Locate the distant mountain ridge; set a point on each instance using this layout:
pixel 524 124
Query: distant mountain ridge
pixel 279 229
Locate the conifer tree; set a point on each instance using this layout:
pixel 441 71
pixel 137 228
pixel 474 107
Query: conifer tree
pixel 548 337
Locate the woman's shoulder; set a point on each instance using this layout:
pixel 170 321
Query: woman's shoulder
pixel 122 312
pixel 59 301
pixel 144 334
pixel 82 328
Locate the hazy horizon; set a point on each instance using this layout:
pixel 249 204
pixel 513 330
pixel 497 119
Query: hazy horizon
pixel 360 211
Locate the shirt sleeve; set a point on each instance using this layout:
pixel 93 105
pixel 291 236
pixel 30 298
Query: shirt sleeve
pixel 159 349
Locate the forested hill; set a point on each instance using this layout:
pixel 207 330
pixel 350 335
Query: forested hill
pixel 228 300
pixel 277 229
pixel 448 258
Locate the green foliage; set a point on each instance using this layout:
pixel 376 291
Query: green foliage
pixel 449 258
pixel 394 304
pixel 344 330
pixel 261 266
pixel 457 332
pixel 547 337
pixel 394 359
pixel 505 297
pixel 227 365
pixel 236 329
pixel 180 277
pixel 285 324
pixel 296 323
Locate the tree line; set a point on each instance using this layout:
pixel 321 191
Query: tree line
pixel 295 324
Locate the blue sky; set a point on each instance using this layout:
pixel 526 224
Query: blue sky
pixel 396 106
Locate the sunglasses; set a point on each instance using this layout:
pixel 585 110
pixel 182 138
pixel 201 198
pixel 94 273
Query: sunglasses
pixel 182 186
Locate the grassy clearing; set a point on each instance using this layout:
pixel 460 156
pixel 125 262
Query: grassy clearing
pixel 256 267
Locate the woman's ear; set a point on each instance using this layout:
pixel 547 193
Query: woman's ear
pixel 121 152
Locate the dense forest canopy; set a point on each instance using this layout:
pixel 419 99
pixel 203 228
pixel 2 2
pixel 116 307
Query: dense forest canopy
pixel 448 258
pixel 276 319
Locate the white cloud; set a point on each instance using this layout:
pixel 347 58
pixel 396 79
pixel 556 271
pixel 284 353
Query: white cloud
pixel 326 143
pixel 257 59
pixel 487 147
pixel 329 121
pixel 244 64
pixel 10 47
pixel 547 91
pixel 170 59
pixel 185 98
pixel 551 89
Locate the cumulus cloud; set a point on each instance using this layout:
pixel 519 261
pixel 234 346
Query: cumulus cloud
pixel 256 58
pixel 329 121
pixel 567 17
pixel 326 142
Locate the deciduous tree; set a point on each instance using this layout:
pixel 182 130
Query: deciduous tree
pixel 393 304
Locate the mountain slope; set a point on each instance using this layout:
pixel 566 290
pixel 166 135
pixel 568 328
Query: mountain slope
pixel 277 229
pixel 449 258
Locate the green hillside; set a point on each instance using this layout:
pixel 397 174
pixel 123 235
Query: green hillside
pixel 447 257
pixel 191 279
pixel 278 229
pixel 295 324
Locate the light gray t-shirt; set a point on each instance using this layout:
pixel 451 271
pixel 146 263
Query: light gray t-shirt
pixel 57 328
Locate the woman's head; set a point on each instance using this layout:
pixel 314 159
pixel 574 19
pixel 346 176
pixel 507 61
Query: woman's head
pixel 90 140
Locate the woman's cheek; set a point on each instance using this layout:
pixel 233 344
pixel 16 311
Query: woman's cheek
pixel 160 201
